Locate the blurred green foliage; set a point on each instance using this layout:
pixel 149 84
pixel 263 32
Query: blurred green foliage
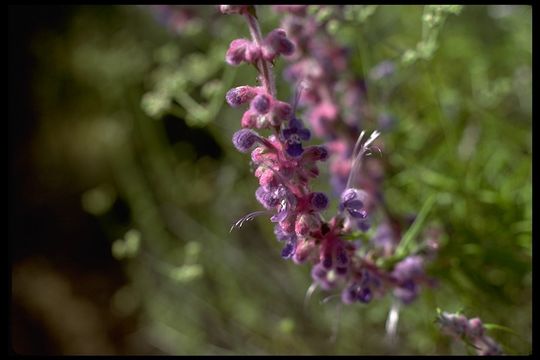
pixel 116 84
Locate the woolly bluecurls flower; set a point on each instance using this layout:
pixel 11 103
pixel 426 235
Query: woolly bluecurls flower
pixel 407 273
pixel 359 290
pixel 354 201
pixel 323 277
pixel 293 136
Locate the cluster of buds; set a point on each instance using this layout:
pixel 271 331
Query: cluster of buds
pixel 264 111
pixel 472 331
pixel 250 51
pixel 285 166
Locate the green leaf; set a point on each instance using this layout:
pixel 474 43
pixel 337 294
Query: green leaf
pixel 404 245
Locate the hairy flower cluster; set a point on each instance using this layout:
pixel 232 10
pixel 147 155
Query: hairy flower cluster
pixel 284 166
pixel 470 330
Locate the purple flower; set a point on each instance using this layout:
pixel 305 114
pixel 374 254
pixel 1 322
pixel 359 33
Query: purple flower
pixel 341 256
pixel 293 136
pixel 349 295
pixel 409 268
pixel 282 235
pixel 327 261
pixel 407 292
pixel 270 198
pixel 364 295
pixel 288 250
pixel 320 276
pixel 354 201
pixel 319 200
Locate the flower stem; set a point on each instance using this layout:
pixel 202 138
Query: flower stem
pixel 266 72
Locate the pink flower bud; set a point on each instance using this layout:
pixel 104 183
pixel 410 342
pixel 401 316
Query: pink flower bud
pixel 258 155
pixel 304 249
pixel 278 42
pixel 249 119
pixel 267 178
pixel 237 51
pixel 261 103
pixel 288 223
pixel 283 110
pixel 239 95
pixel 305 224
pixel 253 53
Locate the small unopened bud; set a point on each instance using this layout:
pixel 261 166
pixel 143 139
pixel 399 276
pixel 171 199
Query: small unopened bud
pixel 249 119
pixel 306 223
pixel 239 95
pixel 253 53
pixel 244 139
pixel 237 51
pixel 303 251
pixel 283 110
pixel 261 103
pixel 277 40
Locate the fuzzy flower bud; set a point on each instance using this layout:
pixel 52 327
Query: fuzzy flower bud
pixel 244 139
pixel 276 43
pixel 306 223
pixel 266 198
pixel 261 103
pixel 240 95
pixel 249 119
pixel 319 200
pixel 283 110
pixel 253 52
pixel 237 51
pixel 303 251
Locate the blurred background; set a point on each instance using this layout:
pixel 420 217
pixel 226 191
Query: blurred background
pixel 124 183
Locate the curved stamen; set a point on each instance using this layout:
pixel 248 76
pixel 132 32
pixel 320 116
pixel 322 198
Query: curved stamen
pixel 246 218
